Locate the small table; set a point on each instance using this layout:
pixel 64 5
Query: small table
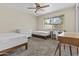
pixel 68 38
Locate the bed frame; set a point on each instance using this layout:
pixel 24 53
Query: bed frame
pixel 40 36
pixel 5 52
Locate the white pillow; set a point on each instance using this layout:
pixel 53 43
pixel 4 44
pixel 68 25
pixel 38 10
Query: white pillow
pixel 28 32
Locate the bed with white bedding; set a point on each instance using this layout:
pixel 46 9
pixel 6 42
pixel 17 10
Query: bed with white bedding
pixel 41 34
pixel 9 41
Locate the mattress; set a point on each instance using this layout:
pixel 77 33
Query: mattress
pixel 9 40
pixel 41 33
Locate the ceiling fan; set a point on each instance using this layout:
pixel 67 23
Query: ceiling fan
pixel 38 7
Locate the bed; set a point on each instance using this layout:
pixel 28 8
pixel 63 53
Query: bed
pixel 41 34
pixel 12 41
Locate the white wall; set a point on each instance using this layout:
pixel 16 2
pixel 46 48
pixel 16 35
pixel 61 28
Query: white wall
pixel 69 19
pixel 11 19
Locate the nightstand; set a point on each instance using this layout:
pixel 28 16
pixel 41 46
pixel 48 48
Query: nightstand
pixel 54 34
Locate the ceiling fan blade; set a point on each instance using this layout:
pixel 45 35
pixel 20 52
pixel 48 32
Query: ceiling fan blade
pixel 31 8
pixel 44 6
pixel 37 4
pixel 41 9
pixel 36 10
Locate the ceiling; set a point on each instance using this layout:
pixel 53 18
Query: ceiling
pixel 24 7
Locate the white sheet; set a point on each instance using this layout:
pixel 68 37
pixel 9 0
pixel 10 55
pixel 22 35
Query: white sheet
pixel 8 40
pixel 42 33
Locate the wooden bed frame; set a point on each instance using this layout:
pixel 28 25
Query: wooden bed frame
pixel 40 36
pixel 5 52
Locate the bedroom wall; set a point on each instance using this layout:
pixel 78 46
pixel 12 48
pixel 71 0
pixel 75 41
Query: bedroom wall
pixel 11 19
pixel 69 19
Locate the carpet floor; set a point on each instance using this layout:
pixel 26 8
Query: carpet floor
pixel 42 47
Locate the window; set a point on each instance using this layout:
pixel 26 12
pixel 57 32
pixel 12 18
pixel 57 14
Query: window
pixel 51 22
pixel 47 21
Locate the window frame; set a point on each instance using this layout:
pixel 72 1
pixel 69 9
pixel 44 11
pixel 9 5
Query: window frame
pixel 50 21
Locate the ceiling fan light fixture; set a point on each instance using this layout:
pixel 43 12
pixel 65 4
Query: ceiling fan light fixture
pixel 38 7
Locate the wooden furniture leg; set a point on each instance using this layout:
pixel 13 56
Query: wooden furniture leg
pixel 64 46
pixel 70 50
pixel 59 49
pixel 26 46
pixel 56 49
pixel 77 50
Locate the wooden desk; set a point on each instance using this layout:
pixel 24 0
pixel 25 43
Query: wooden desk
pixel 68 38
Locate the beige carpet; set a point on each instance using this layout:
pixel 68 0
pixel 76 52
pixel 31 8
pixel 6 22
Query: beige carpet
pixel 41 47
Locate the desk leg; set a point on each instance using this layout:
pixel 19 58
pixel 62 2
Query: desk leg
pixel 77 50
pixel 59 49
pixel 26 46
pixel 64 46
pixel 56 49
pixel 70 50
